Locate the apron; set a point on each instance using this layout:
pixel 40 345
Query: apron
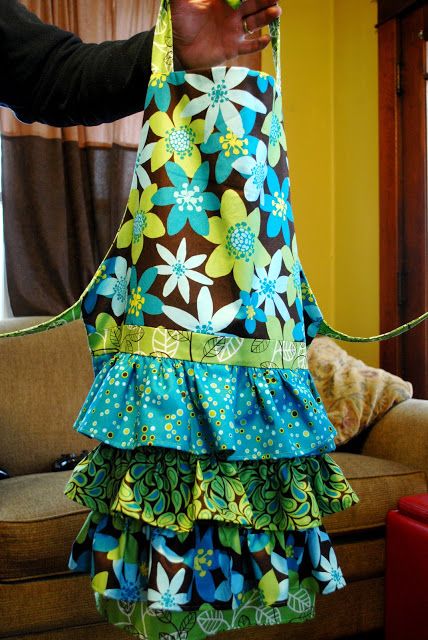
pixel 208 489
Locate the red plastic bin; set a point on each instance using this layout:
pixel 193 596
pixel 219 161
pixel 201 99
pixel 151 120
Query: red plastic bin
pixel 406 591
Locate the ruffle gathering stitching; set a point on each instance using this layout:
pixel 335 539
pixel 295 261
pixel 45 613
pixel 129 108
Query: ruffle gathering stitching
pixel 174 490
pixel 248 412
pixel 217 565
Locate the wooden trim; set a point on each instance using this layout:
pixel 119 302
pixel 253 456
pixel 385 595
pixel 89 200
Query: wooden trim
pixel 413 210
pixel 389 9
pixel 389 191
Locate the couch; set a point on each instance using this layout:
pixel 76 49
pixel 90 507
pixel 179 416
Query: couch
pixel 44 378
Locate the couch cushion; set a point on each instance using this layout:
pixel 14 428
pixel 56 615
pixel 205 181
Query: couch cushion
pixel 38 525
pixel 44 379
pixel 41 605
pixel 354 394
pixel 379 484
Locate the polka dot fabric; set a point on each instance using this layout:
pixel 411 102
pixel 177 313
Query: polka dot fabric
pixel 249 413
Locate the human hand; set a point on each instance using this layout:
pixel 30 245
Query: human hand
pixel 209 32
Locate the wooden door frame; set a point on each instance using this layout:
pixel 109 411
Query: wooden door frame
pixel 403 255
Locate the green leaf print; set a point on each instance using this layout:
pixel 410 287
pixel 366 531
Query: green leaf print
pixel 163 342
pixel 267 616
pixel 180 336
pixel 188 622
pixel 243 621
pixel 258 345
pixel 300 601
pixel 212 622
pixel 214 347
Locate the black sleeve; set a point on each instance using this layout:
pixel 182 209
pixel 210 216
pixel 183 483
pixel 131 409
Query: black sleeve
pixel 50 75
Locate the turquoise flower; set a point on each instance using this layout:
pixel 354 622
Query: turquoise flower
pixel 331 573
pixel 140 301
pixel 279 207
pixel 228 146
pixel 250 311
pixel 105 269
pixel 271 286
pixel 116 286
pixel 263 80
pixel 311 311
pixel 189 199
pixel 159 88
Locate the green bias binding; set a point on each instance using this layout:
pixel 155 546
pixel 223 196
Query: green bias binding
pixel 326 330
pixel 199 347
pixel 173 489
pixel 162 53
pixel 137 619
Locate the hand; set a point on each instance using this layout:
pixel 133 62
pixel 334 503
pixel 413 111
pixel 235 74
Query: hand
pixel 209 32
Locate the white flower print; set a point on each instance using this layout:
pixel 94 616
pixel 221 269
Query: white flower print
pixel 180 270
pixel 270 285
pixel 167 597
pixel 144 153
pixel 332 573
pixel 206 322
pixel 256 169
pixel 219 94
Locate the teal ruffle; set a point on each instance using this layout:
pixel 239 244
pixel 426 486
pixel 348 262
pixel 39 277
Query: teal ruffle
pixel 247 413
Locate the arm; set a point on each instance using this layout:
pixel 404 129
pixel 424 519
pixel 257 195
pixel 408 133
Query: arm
pixel 49 75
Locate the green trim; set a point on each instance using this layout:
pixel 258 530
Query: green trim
pixel 326 330
pixel 70 314
pixel 201 347
pixel 163 55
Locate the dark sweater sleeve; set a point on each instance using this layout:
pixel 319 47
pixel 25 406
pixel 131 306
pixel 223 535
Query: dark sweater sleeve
pixel 51 76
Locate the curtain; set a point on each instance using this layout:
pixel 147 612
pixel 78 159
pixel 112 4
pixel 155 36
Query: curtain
pixel 65 190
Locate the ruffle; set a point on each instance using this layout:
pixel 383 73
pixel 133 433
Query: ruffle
pixel 140 620
pixel 251 413
pixel 174 490
pixel 217 565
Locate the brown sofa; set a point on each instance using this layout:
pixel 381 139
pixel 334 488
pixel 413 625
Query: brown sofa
pixel 44 378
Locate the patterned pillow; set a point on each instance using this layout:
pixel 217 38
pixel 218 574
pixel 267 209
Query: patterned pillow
pixel 354 394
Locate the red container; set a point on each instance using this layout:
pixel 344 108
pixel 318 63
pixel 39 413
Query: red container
pixel 406 591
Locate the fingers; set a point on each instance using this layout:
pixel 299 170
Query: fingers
pixel 260 19
pixel 253 45
pixel 255 6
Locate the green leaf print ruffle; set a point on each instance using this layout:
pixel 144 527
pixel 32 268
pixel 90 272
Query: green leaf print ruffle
pixel 174 489
pixel 137 619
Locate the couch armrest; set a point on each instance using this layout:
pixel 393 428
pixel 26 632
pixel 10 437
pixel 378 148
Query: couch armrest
pixel 401 435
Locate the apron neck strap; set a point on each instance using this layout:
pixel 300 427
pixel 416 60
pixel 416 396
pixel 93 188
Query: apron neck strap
pixel 163 54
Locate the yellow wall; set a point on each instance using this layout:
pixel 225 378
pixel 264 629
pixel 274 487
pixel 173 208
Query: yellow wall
pixel 329 58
